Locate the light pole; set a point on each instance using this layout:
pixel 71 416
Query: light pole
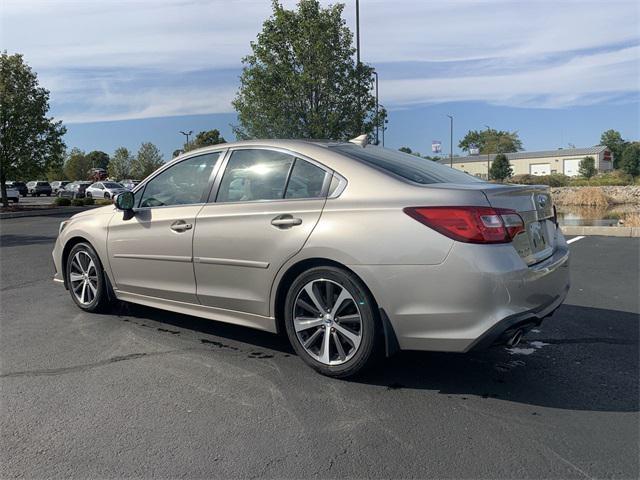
pixel 186 134
pixel 358 31
pixel 488 153
pixel 450 140
pixel 377 108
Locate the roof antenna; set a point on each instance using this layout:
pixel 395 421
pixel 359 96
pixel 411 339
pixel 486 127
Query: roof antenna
pixel 361 140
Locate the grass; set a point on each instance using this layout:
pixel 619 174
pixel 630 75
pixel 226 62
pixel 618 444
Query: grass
pixel 631 219
pixel 593 197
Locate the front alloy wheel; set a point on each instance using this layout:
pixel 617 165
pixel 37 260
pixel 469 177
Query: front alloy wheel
pixel 85 278
pixel 332 321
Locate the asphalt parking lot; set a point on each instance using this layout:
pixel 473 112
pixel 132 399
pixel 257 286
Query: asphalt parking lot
pixel 142 393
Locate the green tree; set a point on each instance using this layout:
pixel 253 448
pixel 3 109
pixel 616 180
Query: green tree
pixel 614 142
pixel 76 167
pixel 587 167
pixel 55 168
pixel 500 168
pixel 204 139
pixel 491 141
pixel 301 80
pixel 630 162
pixel 98 159
pixel 120 164
pixel 148 160
pixel 418 154
pixel 30 141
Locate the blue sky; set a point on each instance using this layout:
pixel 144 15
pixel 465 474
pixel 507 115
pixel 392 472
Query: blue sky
pixel 123 72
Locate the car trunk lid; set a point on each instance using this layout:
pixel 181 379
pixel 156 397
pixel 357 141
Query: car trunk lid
pixel 534 204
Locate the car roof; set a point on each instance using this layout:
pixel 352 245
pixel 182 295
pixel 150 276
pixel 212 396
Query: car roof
pixel 296 144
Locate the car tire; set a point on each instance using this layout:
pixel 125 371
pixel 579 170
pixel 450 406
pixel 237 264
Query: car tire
pixel 354 334
pixel 107 196
pixel 85 277
pixel 48 194
pixel 88 195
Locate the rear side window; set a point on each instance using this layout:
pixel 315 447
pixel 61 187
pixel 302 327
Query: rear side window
pixel 254 174
pixel 306 180
pixel 409 167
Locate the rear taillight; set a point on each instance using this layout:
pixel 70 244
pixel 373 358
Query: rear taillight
pixel 470 224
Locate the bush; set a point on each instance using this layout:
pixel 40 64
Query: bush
pixel 104 201
pixel 62 202
pixel 89 201
pixel 614 178
pixel 77 202
pixel 586 196
pixel 553 180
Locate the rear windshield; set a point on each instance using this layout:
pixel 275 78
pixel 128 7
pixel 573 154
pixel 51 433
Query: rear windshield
pixel 409 167
pixel 43 184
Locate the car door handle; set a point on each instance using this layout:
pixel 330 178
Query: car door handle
pixel 285 221
pixel 180 226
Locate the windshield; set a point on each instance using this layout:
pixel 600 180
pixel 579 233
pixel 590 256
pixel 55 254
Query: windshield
pixel 409 167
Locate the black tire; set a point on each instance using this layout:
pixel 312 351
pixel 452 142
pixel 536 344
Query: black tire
pixel 107 196
pixel 48 194
pixel 371 331
pixel 101 299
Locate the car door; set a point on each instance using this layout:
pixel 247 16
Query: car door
pixel 151 253
pixel 268 202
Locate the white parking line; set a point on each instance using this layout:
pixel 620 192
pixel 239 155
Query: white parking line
pixel 575 239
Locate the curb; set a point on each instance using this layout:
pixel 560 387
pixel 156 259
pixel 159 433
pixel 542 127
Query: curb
pixel 633 232
pixel 46 212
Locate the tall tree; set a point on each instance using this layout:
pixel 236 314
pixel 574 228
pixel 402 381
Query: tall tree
pixel 148 160
pixel 205 139
pixel 614 142
pixel 76 167
pixel 120 164
pixel 29 140
pixel 587 167
pixel 418 154
pixel 500 168
pixel 301 80
pixel 630 162
pixel 98 159
pixel 491 141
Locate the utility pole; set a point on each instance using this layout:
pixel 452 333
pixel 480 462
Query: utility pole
pixel 377 108
pixel 451 140
pixel 358 32
pixel 186 134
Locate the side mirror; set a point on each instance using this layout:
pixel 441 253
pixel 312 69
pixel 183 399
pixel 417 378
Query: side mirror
pixel 124 201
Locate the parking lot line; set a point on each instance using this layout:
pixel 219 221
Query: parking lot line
pixel 575 239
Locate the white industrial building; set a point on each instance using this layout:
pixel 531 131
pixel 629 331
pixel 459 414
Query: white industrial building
pixel 544 162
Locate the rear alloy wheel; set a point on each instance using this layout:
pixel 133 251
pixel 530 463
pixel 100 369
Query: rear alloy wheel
pixel 332 321
pixel 86 279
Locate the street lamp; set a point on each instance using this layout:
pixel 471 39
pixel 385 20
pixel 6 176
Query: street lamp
pixel 358 31
pixel 186 134
pixel 451 140
pixel 377 107
pixel 488 153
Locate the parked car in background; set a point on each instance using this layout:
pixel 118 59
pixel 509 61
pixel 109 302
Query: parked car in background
pixel 353 250
pixel 105 189
pixel 20 186
pixel 58 184
pixel 74 190
pixel 129 184
pixel 37 188
pixel 13 194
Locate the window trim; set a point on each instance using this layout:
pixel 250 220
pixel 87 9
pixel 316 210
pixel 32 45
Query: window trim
pixel 213 196
pixel 142 186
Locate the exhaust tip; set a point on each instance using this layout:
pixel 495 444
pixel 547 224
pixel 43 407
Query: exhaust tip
pixel 515 338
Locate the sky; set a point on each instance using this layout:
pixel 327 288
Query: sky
pixel 125 72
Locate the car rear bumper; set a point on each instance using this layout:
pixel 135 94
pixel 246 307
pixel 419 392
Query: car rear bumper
pixel 470 300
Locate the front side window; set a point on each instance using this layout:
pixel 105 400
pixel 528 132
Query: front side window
pixel 182 184
pixel 254 174
pixel 306 180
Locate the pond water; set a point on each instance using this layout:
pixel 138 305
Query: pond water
pixel 580 215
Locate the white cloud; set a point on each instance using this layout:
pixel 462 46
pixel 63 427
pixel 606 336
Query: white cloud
pixel 93 55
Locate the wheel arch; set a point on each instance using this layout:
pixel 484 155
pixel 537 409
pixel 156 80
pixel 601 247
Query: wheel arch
pixel 292 272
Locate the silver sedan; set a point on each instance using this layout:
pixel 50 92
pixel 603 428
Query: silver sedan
pixel 353 250
pixel 105 189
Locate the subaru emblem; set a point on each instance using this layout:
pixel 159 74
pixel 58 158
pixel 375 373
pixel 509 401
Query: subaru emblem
pixel 542 200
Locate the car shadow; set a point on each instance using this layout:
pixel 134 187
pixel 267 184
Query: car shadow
pixel 582 358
